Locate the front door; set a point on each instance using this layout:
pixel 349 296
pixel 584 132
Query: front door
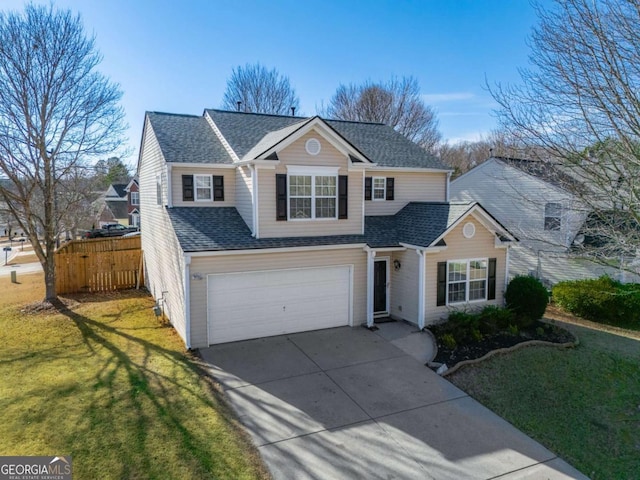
pixel 380 286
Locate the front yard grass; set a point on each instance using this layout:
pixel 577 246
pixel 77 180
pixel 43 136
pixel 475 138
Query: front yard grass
pixel 106 383
pixel 582 403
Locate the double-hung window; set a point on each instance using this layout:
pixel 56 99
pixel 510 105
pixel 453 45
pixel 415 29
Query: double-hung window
pixel 313 193
pixel 135 198
pixel 203 187
pixel 552 216
pixel 379 188
pixel 466 280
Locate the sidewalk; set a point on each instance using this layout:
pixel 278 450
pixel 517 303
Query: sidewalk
pixel 16 251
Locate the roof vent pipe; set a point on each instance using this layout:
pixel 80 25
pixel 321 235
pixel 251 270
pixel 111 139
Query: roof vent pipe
pixel 238 103
pixel 293 111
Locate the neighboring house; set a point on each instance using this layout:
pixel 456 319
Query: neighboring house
pixel 113 207
pixel 258 225
pixel 133 202
pixel 531 198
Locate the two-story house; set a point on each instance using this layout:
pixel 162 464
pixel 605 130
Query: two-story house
pixel 257 225
pixel 533 199
pixel 133 202
pixel 112 208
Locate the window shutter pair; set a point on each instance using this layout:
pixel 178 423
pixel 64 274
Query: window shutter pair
pixel 188 190
pixel 368 188
pixel 281 196
pixel 442 282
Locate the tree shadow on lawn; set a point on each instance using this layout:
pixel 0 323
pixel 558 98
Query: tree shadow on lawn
pixel 166 409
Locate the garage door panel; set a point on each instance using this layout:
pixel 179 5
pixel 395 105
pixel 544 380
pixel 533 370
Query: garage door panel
pixel 276 302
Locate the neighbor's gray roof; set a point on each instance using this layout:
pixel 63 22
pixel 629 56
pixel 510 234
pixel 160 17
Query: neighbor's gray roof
pixel 222 228
pixel 118 208
pixel 380 143
pixel 187 139
pixel 547 171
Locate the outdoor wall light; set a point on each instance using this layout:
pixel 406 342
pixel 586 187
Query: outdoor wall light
pixel 196 276
pixel 397 265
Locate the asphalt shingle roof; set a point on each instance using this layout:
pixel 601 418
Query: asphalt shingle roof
pixel 118 208
pixel 384 146
pixel 120 188
pixel 222 228
pixel 244 130
pixel 380 143
pixel 545 170
pixel 187 139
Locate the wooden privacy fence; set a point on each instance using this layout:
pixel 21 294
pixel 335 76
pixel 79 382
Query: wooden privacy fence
pixel 99 265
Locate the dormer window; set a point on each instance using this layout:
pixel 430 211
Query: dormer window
pixel 204 187
pixel 379 188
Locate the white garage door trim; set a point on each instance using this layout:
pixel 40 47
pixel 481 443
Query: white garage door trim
pixel 211 277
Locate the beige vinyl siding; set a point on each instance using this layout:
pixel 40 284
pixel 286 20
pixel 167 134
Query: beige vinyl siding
pixel 408 187
pixel 295 154
pixel 273 261
pixel 229 175
pixel 404 286
pixel 244 195
pixel 163 259
pixel 482 245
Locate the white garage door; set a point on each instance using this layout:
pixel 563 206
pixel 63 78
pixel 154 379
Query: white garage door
pixel 274 302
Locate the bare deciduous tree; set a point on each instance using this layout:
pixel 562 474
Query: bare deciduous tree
pixel 463 156
pixel 254 88
pixel 57 112
pixel 396 103
pixel 580 102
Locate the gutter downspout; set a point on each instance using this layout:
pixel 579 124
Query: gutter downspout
pixel 448 187
pixel 254 199
pixel 187 300
pixel 252 170
pixel 370 266
pixel 421 281
pixel 169 186
pixel 506 268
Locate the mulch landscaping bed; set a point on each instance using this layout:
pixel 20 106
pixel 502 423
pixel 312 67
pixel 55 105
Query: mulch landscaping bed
pixel 477 349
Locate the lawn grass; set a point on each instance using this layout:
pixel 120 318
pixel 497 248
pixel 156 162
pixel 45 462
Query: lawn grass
pixel 105 383
pixel 582 403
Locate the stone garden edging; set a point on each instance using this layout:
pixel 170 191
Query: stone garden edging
pixel 518 346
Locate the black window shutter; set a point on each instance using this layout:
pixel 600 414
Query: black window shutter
pixel 343 195
pixel 442 284
pixel 491 287
pixel 218 188
pixel 390 191
pixel 187 188
pixel 367 188
pixel 281 196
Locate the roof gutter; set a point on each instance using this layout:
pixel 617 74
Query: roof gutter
pixel 258 251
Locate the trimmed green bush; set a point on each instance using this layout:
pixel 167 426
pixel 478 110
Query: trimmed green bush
pixel 527 298
pixel 465 327
pixel 602 300
pixel 493 319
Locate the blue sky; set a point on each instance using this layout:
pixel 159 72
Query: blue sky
pixel 176 55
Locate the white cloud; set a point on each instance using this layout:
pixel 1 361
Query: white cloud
pixel 447 97
pixel 468 137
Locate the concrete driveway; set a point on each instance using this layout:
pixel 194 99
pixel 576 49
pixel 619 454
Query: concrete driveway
pixel 349 403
